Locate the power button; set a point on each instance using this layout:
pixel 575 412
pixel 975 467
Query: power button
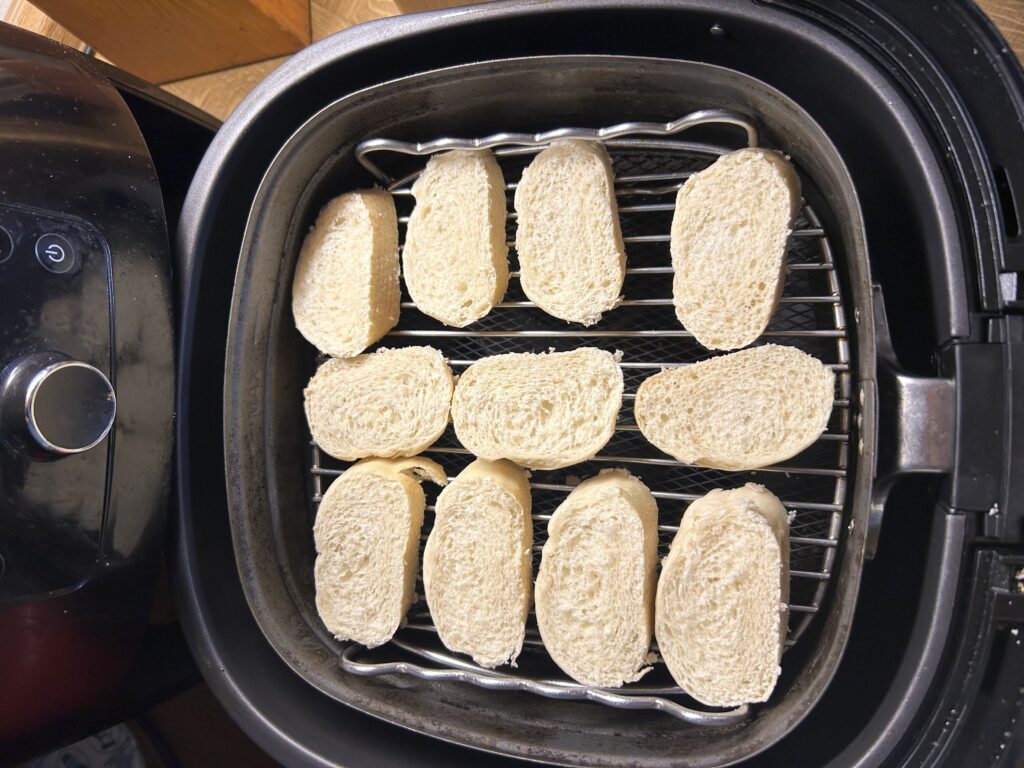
pixel 55 253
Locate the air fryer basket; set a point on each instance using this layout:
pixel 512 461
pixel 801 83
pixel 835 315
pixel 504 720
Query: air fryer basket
pixel 268 363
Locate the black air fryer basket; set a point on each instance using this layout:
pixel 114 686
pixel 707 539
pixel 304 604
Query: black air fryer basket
pixel 897 257
pixel 275 479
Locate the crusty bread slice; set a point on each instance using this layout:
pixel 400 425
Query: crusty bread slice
pixel 743 410
pixel 455 259
pixel 544 411
pixel 729 233
pixel 346 295
pixel 367 535
pixel 571 258
pixel 477 565
pixel 595 588
pixel 721 610
pixel 393 402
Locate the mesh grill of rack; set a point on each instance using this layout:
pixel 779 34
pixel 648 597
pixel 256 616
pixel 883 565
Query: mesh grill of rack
pixel 650 165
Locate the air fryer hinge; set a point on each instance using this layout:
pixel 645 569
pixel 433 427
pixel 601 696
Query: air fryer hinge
pixel 968 425
pixel 990 429
pixel 980 425
pixel 989 442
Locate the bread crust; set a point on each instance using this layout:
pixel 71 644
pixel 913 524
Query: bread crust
pixel 572 259
pixel 729 235
pixel 455 258
pixel 595 587
pixel 543 411
pixel 375 506
pixel 392 402
pixel 745 410
pixel 477 563
pixel 345 292
pixel 721 607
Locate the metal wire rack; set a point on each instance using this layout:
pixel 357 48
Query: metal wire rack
pixel 650 165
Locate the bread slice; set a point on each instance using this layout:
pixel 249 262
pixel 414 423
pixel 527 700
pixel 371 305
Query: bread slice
pixel 544 411
pixel 729 233
pixel 367 535
pixel 393 402
pixel 455 259
pixel 745 410
pixel 346 295
pixel 571 258
pixel 595 588
pixel 721 606
pixel 477 565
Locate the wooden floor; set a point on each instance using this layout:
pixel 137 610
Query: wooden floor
pixel 218 93
pixel 1008 15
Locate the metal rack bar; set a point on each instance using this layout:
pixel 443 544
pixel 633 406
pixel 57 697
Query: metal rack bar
pixel 554 689
pixel 838 367
pixel 544 334
pixel 667 270
pixel 541 140
pixel 664 302
pixel 667 463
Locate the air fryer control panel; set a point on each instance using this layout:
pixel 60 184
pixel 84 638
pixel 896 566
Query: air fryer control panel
pixel 86 378
pixel 57 399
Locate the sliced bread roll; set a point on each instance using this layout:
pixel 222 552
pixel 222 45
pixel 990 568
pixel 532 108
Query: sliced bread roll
pixel 745 410
pixel 455 259
pixel 477 565
pixel 729 233
pixel 346 294
pixel 367 535
pixel 721 606
pixel 393 402
pixel 571 258
pixel 543 411
pixel 595 588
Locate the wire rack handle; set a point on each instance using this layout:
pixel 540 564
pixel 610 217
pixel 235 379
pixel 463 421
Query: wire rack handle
pixel 419 149
pixel 552 689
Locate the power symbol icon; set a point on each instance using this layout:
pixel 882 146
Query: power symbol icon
pixel 55 253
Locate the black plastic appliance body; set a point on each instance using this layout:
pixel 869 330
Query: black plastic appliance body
pixel 933 668
pixel 925 108
pixel 94 166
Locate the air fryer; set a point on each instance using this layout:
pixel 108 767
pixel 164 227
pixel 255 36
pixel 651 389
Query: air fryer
pixel 905 122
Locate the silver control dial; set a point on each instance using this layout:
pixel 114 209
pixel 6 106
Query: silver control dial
pixel 64 406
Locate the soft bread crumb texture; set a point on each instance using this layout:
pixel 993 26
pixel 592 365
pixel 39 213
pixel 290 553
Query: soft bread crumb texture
pixel 392 402
pixel 367 534
pixel 477 564
pixel 595 587
pixel 455 260
pixel 744 410
pixel 345 295
pixel 729 232
pixel 721 611
pixel 543 411
pixel 571 257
